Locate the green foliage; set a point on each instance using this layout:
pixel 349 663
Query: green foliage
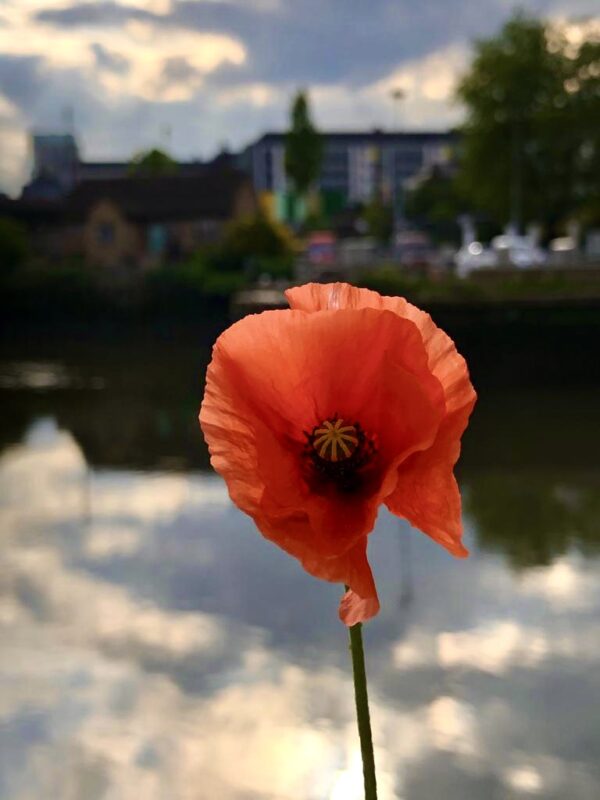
pixel 585 103
pixel 152 163
pixel 252 247
pixel 303 146
pixel 190 282
pixel 380 220
pixel 256 236
pixel 436 204
pixel 485 285
pixel 531 519
pixel 51 293
pixel 392 281
pixel 316 221
pixel 530 149
pixel 13 246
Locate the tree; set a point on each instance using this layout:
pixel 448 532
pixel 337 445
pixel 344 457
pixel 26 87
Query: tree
pixel 584 92
pixel 436 204
pixel 379 217
pixel 530 148
pixel 152 163
pixel 252 247
pixel 303 146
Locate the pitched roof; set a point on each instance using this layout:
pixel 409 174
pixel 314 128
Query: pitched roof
pixel 210 194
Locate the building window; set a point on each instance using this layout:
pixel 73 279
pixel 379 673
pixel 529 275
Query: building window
pixel 105 233
pixel 156 240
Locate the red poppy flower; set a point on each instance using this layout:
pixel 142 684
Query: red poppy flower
pixel 316 415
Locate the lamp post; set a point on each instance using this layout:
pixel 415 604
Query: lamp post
pixel 397 96
pixel 516 178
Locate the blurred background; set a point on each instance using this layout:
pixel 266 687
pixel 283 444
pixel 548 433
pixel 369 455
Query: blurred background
pixel 167 167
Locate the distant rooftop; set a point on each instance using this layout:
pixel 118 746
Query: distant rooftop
pixel 59 138
pixel 89 170
pixel 375 133
pixel 209 193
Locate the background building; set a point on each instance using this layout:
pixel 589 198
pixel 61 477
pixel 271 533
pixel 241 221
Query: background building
pixel 55 165
pixel 355 167
pixel 140 221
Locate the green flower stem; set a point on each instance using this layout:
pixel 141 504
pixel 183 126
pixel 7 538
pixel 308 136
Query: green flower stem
pixel 362 711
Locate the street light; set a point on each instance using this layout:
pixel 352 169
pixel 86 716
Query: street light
pixel 397 94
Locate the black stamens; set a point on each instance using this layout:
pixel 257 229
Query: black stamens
pixel 329 463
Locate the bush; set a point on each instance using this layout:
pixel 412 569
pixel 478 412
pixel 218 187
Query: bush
pixel 186 284
pixel 257 236
pixel 379 217
pixel 252 247
pixel 13 246
pixel 389 280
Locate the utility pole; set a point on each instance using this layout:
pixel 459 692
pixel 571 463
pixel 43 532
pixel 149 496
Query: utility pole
pixel 166 133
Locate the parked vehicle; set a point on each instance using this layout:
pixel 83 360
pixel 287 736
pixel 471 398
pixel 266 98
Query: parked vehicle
pixel 563 250
pixel 507 250
pixel 321 248
pixel 474 256
pixel 517 251
pixel 414 249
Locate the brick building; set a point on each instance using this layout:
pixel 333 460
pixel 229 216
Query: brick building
pixel 137 222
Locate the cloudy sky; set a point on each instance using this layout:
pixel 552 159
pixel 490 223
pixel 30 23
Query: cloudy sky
pixel 196 74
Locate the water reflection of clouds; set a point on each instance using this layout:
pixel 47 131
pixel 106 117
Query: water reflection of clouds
pixel 154 498
pixel 104 693
pixel 111 683
pixel 36 375
pixel 520 623
pixel 251 737
pixel 42 477
pixel 522 667
pixel 568 583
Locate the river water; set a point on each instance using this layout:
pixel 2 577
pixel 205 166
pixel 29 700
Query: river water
pixel 155 647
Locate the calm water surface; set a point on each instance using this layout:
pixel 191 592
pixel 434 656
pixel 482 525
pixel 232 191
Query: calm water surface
pixel 154 647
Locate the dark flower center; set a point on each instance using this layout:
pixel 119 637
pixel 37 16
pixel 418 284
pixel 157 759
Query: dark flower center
pixel 339 452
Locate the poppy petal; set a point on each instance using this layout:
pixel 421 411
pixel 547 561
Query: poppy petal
pixel 445 362
pixel 276 375
pixel 426 492
pixel 360 602
pixel 355 609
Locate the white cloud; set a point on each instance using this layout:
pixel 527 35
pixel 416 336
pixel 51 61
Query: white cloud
pixel 145 46
pixel 14 151
pixel 428 84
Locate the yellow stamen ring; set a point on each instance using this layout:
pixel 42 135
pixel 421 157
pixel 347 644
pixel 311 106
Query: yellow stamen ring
pixel 335 441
